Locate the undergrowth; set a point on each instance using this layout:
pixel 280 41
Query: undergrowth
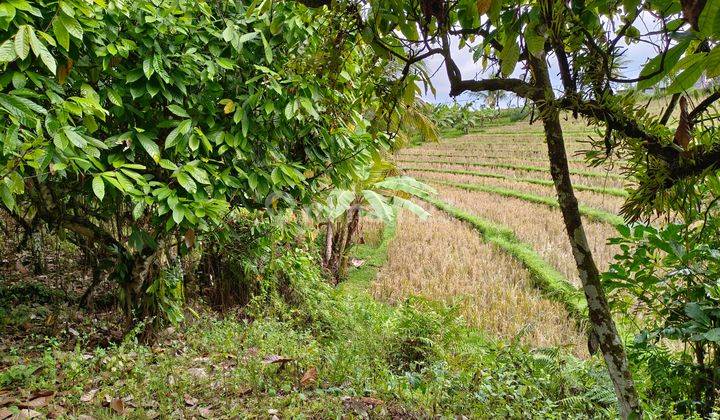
pixel 303 349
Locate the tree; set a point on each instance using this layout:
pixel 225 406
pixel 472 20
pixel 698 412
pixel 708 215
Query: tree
pixel 135 126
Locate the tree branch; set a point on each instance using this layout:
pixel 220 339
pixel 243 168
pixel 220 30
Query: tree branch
pixel 703 106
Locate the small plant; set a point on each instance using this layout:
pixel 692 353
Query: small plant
pixel 422 329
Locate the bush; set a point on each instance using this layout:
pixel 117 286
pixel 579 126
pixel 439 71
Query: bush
pixel 421 330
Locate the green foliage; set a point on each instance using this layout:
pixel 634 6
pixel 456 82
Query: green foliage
pixel 166 294
pixel 460 117
pixel 669 278
pixel 142 122
pixel 423 329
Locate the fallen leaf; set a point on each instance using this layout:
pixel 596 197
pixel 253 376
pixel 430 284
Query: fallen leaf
pixel 152 414
pixel 35 403
pixel 356 262
pixel 204 412
pixel 43 393
pixel 27 413
pixel 371 401
pixel 245 391
pixel 5 413
pixel 190 401
pixel 88 396
pixel 276 359
pixel 56 411
pixel 117 405
pixel 198 373
pixel 85 417
pixel 309 377
pixel 6 400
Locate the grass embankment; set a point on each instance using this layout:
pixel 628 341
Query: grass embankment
pixel 528 168
pixel 617 192
pixel 589 212
pixel 553 284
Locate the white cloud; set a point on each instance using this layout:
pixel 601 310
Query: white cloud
pixel 635 57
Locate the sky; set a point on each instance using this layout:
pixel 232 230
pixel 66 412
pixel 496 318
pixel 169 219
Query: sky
pixel 635 58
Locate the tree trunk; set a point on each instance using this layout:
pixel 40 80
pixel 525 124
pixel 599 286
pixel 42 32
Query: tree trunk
pixel 598 309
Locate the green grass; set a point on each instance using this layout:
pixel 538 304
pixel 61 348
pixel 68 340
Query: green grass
pixel 547 279
pixel 359 279
pixel 617 192
pixel 528 168
pixel 589 212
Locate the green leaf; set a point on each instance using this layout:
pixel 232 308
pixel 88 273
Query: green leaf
pixel 178 214
pixel 149 145
pixel 535 43
pixel 671 59
pixel 61 34
pixel 98 186
pixel 41 51
pixel 114 97
pixel 7 196
pixel 226 63
pixel 713 335
pixel 509 57
pixel 406 184
pixel 22 42
pixel 178 110
pixel 712 68
pixel 414 208
pixel 709 19
pixel 71 26
pixel 688 77
pixel 199 174
pixel 7 51
pixel 247 37
pixel 164 163
pixel 186 182
pixel 268 50
pixel 148 68
pixel 75 138
pixel 138 210
pixel 381 209
pixel 696 313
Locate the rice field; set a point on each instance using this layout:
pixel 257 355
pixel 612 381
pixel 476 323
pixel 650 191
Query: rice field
pixel 495 220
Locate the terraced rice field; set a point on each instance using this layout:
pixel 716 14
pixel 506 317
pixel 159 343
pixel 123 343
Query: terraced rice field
pixel 496 243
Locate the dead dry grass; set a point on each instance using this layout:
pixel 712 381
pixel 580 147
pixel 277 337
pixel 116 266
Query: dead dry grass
pixel 444 259
pixel 521 158
pixel 370 231
pixel 578 179
pixel 538 225
pixel 605 202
